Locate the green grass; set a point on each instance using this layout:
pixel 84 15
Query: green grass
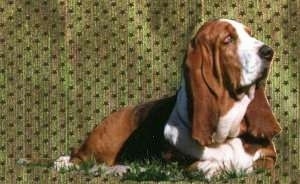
pixel 149 170
pixel 154 171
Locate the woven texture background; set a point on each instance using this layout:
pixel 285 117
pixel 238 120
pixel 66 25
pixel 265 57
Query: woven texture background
pixel 64 65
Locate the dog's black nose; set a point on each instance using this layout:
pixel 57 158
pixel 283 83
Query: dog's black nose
pixel 266 52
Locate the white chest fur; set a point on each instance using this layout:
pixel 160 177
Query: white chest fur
pixel 229 124
pixel 178 128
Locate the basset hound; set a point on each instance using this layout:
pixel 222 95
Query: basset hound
pixel 220 117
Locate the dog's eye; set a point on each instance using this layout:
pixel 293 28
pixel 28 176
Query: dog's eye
pixel 228 39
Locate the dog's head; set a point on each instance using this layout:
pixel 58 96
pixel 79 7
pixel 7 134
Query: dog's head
pixel 228 56
pixel 223 61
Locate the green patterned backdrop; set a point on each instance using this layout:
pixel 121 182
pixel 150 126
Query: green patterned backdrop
pixel 64 65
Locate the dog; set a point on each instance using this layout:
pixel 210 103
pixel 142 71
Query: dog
pixel 220 118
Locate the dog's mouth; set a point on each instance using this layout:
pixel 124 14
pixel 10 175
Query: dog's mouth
pixel 258 82
pixel 262 79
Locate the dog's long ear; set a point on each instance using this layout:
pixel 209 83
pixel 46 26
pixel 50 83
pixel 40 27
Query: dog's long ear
pixel 202 58
pixel 259 118
pixel 204 88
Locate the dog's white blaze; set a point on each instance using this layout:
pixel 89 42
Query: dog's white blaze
pixel 248 46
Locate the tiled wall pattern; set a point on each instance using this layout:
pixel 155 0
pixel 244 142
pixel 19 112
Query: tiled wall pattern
pixel 64 65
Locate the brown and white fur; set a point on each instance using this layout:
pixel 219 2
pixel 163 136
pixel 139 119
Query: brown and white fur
pixel 232 47
pixel 214 118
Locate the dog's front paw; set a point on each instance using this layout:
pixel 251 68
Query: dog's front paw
pixel 209 168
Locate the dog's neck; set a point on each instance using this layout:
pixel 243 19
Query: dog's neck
pixel 180 112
